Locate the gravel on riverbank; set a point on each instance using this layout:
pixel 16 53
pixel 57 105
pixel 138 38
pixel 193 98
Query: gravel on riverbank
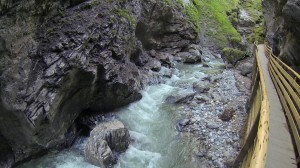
pixel 219 141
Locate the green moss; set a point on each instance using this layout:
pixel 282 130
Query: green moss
pixel 258 35
pixel 233 55
pixel 212 13
pixel 125 13
pixel 254 7
pixel 194 16
pixel 169 2
pixel 180 2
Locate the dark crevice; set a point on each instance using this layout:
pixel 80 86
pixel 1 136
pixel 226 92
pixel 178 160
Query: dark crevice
pixel 142 34
pixel 6 154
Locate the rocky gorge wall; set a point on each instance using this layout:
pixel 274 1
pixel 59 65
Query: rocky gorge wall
pixel 283 29
pixel 61 58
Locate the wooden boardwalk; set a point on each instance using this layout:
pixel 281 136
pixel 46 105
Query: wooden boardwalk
pixel 280 153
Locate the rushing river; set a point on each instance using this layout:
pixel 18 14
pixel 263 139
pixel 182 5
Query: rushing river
pixel 151 121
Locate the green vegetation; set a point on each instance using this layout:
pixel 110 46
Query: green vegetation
pixel 125 13
pixel 212 14
pixel 254 7
pixel 258 35
pixel 233 55
pixel 194 16
pixel 169 2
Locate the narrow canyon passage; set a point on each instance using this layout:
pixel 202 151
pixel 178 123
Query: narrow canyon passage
pixel 152 122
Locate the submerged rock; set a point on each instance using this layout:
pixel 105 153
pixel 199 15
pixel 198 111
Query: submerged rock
pixel 105 139
pixel 182 96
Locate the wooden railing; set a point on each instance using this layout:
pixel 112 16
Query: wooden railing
pixel 286 82
pixel 254 149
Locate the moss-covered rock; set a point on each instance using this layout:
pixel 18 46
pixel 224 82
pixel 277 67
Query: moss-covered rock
pixel 233 55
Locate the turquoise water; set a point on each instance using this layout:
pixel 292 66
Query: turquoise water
pixel 157 143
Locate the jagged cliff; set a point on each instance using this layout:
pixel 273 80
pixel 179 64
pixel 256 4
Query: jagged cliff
pixel 61 58
pixel 283 29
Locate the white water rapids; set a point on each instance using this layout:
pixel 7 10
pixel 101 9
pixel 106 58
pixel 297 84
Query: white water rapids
pixel 151 121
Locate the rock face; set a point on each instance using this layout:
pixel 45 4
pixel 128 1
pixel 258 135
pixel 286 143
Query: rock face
pixel 246 66
pixel 59 58
pixel 6 154
pixel 283 29
pixel 105 139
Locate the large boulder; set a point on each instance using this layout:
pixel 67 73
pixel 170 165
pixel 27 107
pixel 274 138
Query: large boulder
pixel 105 139
pixel 246 66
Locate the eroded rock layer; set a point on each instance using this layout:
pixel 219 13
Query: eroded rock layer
pixel 59 58
pixel 283 29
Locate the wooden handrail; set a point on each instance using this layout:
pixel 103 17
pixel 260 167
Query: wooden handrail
pixel 254 150
pixel 285 80
pixel 281 62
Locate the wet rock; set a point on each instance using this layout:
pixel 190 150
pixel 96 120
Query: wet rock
pixel 178 59
pixel 181 97
pixel 207 78
pixel 227 114
pixel 202 98
pixel 200 154
pixel 166 72
pixel 201 87
pixel 184 122
pixel 205 64
pixel 191 57
pixel 206 59
pixel 181 124
pixel 165 58
pixel 105 139
pixel 99 153
pixel 154 65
